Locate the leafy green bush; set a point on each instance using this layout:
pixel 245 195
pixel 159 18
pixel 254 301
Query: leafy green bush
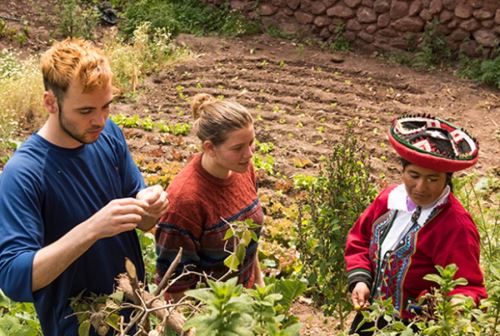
pixel 334 201
pixel 78 19
pixel 442 315
pixel 485 71
pixel 18 318
pixel 186 16
pixel 230 309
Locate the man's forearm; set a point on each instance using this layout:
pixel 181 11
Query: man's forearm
pixel 52 260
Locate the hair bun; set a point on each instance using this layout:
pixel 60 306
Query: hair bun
pixel 199 100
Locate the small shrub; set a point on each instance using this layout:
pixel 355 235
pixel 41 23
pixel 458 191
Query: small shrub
pixel 333 202
pixel 340 42
pixel 482 71
pixel 78 20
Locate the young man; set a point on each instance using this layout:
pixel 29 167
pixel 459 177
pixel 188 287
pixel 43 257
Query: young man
pixel 71 196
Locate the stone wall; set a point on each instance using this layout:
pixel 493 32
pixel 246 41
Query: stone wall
pixel 471 26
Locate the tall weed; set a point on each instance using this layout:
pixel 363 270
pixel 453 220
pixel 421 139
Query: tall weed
pixel 21 90
pixel 151 49
pixel 334 200
pixel 78 19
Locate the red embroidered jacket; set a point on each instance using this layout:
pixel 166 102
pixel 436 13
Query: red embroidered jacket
pixel 448 236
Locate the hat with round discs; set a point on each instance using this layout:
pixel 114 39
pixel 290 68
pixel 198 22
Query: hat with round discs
pixel 433 143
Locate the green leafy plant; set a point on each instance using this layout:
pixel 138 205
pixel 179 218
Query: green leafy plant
pixel 333 201
pixel 229 309
pixel 264 162
pixel 486 71
pixel 339 41
pixel 78 19
pixel 18 318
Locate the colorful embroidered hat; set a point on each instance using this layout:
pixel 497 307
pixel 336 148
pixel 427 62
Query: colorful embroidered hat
pixel 433 143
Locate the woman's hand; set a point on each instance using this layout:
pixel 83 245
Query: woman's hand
pixel 360 295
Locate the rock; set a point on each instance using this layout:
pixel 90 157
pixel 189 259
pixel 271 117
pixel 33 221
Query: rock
pixel 436 6
pixel 387 32
pixel 293 4
pixel 453 24
pixel 371 29
pixel 303 18
pixel 329 3
pixel 486 38
pixel 325 33
pixel 340 11
pixel 398 9
pixel 367 3
pixel 337 59
pixel 353 24
pixel 415 8
pixel 470 48
pixel 317 8
pixel 463 11
pixel 383 20
pixel 459 35
pixel 322 21
pixel 238 5
pixel 488 23
pixel 366 37
pixel 352 3
pixel 470 25
pixel 267 9
pixel 445 16
pixel 366 15
pixel 497 17
pixel 408 24
pixel 476 3
pixel 482 14
pixel 381 6
pixel 425 15
pixel 450 4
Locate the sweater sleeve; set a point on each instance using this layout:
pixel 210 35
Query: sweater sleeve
pixel 357 259
pixel 462 242
pixel 181 227
pixel 21 230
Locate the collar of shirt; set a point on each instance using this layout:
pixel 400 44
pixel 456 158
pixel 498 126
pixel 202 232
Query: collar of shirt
pixel 399 200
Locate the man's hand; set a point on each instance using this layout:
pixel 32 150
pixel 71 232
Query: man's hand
pixel 157 204
pixel 117 216
pixel 156 198
pixel 360 295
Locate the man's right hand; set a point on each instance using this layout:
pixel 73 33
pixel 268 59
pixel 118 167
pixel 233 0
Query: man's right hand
pixel 360 295
pixel 117 216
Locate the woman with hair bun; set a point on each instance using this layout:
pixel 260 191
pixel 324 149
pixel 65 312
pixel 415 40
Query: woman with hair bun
pixel 217 186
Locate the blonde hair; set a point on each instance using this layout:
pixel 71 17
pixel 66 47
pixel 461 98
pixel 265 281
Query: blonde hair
pixel 214 119
pixel 77 59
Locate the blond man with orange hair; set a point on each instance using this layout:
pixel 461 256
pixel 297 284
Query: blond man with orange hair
pixel 71 196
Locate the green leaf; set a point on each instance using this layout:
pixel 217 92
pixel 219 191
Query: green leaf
pixel 232 262
pixel 229 234
pixel 240 253
pixel 84 328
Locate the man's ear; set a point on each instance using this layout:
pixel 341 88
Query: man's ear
pixel 208 147
pixel 50 102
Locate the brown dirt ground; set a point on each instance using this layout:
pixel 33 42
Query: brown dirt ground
pixel 301 97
